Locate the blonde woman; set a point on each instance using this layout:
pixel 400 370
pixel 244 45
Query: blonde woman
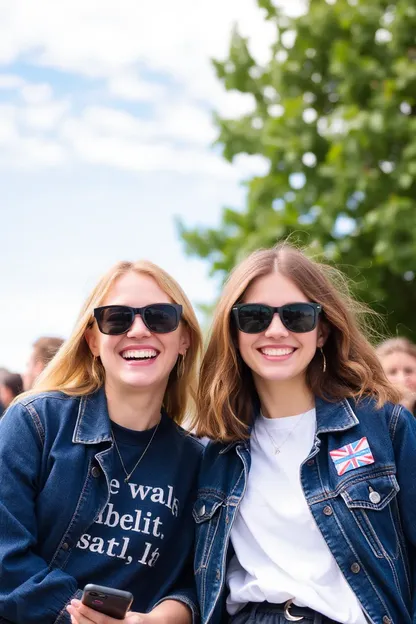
pixel 97 477
pixel 398 359
pixel 306 505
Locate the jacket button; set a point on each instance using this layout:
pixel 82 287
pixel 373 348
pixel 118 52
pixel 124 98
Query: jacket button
pixel 218 575
pixel 311 462
pixel 355 568
pixel 65 546
pixel 387 620
pixel 95 472
pixel 328 510
pixel 202 510
pixel 375 497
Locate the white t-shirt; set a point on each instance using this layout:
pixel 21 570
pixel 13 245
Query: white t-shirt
pixel 280 553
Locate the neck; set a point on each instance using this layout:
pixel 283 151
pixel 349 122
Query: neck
pixel 137 410
pixel 284 398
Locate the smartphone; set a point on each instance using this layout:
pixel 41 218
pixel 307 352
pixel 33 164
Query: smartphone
pixel 106 600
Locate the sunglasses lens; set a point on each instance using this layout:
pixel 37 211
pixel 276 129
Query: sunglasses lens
pixel 254 318
pixel 299 317
pixel 161 318
pixel 115 320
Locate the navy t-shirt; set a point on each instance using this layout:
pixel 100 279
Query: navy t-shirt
pixel 143 540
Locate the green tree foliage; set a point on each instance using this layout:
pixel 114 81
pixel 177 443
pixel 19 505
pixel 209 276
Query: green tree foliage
pixel 334 117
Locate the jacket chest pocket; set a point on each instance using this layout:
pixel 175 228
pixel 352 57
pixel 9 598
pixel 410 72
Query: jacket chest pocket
pixel 208 511
pixel 373 505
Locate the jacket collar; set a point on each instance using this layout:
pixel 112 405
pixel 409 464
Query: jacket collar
pixel 93 422
pixel 337 416
pixel 330 417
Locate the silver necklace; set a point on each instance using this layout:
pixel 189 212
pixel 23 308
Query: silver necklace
pixel 276 448
pixel 128 474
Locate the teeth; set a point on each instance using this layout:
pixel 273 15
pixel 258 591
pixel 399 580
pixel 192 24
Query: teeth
pixel 139 354
pixel 275 352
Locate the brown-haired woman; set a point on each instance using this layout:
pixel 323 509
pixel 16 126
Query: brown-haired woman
pixel 398 359
pixel 306 500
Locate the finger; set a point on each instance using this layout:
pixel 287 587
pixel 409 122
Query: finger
pixel 86 615
pixel 134 618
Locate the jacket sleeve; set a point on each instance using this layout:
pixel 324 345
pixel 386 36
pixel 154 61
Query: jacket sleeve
pixel 403 434
pixel 30 591
pixel 185 591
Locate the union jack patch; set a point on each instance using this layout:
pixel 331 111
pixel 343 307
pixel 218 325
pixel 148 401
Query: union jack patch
pixel 352 456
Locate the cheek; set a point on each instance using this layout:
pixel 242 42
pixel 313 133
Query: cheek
pixel 171 345
pixel 106 346
pixel 244 343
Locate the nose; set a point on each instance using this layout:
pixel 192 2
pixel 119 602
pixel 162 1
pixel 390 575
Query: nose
pixel 400 377
pixel 138 329
pixel 276 328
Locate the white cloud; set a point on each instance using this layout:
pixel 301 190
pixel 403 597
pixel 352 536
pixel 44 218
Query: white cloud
pixel 157 54
pixel 10 82
pixel 102 39
pixel 44 118
pixel 127 86
pixel 36 93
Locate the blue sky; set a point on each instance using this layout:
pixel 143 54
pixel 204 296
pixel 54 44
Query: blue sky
pixel 105 136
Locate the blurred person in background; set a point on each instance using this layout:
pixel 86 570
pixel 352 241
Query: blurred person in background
pixel 11 385
pixel 43 351
pixel 3 372
pixel 97 476
pixel 398 359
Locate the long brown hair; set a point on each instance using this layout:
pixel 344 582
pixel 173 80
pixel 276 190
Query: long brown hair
pixel 226 388
pixel 76 372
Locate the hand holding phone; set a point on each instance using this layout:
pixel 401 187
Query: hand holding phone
pixel 112 602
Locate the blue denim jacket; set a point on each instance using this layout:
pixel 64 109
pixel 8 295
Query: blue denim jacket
pixel 56 456
pixel 372 538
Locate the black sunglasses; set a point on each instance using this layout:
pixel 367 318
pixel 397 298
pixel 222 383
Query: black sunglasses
pixel 159 318
pixel 253 318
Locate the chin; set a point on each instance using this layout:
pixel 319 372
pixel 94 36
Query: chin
pixel 142 381
pixel 277 375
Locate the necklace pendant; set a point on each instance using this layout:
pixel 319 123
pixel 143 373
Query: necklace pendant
pixel 127 479
pixel 277 451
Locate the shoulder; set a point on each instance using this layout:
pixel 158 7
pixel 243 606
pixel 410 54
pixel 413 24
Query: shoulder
pixel 44 398
pixel 45 407
pixel 391 416
pixel 187 439
pixel 32 414
pixel 218 452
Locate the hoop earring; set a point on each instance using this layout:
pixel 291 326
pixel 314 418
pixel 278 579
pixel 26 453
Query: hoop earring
pixel 181 365
pixel 324 359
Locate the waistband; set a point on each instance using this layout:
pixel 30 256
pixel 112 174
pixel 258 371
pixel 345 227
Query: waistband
pixel 289 611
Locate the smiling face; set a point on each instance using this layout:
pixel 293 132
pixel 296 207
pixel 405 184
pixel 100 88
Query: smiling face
pixel 277 354
pixel 138 359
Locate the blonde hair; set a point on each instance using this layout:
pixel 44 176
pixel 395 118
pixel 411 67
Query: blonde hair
pixel 226 391
pixel 396 345
pixel 76 372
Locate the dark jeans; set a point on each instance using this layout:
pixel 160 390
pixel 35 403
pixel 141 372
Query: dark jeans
pixel 266 613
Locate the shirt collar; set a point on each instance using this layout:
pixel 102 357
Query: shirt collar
pixel 330 417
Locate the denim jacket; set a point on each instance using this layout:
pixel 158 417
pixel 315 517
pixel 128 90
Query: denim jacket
pixel 56 457
pixel 367 515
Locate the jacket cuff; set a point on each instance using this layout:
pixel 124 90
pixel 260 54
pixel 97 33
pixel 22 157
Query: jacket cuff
pixel 186 599
pixel 64 616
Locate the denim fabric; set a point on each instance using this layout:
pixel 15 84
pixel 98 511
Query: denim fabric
pixel 56 458
pixel 372 538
